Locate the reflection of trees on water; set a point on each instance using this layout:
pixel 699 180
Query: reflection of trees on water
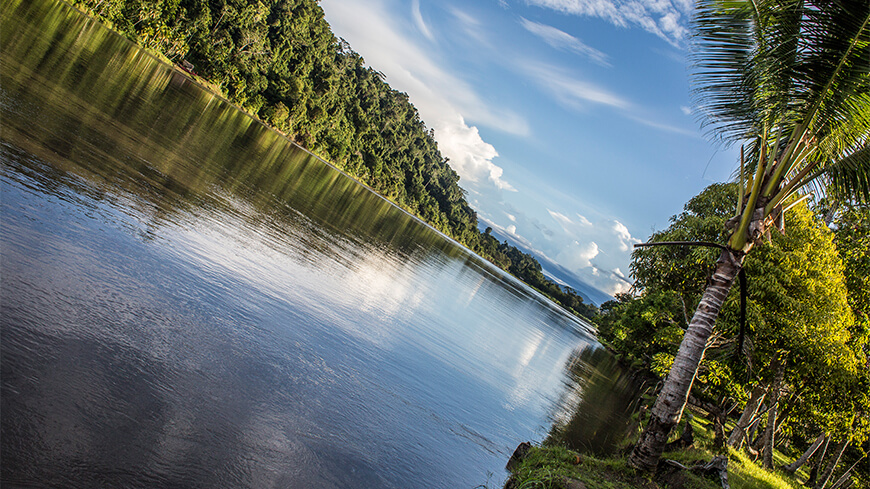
pixel 594 412
pixel 107 111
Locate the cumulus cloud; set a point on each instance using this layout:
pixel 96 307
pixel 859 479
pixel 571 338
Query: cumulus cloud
pixel 564 41
pixel 469 154
pixel 626 240
pixel 664 18
pixel 578 256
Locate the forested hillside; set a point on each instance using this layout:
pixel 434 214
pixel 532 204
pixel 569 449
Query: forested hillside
pixel 279 60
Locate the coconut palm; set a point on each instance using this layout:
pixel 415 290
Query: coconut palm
pixel 790 79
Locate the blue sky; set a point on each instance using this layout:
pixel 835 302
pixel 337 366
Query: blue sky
pixel 570 122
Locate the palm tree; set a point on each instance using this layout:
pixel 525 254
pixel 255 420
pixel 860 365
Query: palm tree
pixel 791 80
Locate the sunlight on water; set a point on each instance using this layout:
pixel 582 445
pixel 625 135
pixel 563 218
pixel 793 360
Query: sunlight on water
pixel 188 299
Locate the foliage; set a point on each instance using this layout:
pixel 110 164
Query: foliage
pixel 852 236
pixel 279 60
pixel 797 303
pixel 796 295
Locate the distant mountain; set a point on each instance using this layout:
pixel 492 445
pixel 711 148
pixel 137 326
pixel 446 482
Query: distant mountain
pixel 563 276
pixel 558 273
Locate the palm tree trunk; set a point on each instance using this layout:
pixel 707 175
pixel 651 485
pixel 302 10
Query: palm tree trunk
pixel 669 405
pixel 792 467
pixel 817 464
pixel 826 476
pixel 739 434
pixel 842 480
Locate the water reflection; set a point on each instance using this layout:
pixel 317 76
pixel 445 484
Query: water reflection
pixel 595 412
pixel 217 308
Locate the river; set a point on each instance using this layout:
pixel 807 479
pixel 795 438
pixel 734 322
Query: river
pixel 190 300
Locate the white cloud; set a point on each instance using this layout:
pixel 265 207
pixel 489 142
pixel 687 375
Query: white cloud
pixel 469 154
pixel 583 220
pixel 626 241
pixel 578 256
pixel 664 18
pixel 665 127
pixel 470 26
pixel 511 229
pixel 562 219
pixel 570 91
pixel 564 41
pixel 686 110
pixel 622 284
pixel 418 20
pixel 575 94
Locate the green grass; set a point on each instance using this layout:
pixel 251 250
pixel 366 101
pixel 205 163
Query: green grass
pixel 743 473
pixel 546 467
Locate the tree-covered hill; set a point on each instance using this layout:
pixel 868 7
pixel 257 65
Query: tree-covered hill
pixel 279 60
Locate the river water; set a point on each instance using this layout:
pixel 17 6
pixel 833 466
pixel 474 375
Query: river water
pixel 189 300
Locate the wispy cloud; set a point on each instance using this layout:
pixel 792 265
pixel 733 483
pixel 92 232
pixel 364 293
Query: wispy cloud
pixel 577 94
pixel 569 90
pixel 583 221
pixel 471 26
pixel 418 20
pixel 562 40
pixel 665 127
pixel 664 18
pixel 562 219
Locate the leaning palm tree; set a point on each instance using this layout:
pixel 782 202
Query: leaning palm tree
pixel 790 79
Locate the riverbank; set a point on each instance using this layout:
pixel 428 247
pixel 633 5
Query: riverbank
pixel 557 467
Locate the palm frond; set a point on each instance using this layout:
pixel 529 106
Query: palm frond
pixel 850 176
pixel 791 77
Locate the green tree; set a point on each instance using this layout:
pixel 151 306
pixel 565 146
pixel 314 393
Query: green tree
pixel 798 316
pixel 790 77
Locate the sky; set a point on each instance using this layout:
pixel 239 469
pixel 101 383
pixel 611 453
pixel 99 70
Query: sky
pixel 570 122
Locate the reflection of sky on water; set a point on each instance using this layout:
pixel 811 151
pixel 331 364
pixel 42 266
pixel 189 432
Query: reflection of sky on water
pixel 379 297
pixel 165 324
pixel 218 342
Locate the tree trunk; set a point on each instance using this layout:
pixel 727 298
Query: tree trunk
pixel 778 365
pixel 669 405
pixel 739 434
pixel 792 467
pixel 814 474
pixel 842 480
pixel 826 476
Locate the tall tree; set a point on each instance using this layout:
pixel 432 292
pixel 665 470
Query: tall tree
pixel 791 78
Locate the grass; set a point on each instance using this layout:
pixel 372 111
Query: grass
pixel 547 467
pixel 743 473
